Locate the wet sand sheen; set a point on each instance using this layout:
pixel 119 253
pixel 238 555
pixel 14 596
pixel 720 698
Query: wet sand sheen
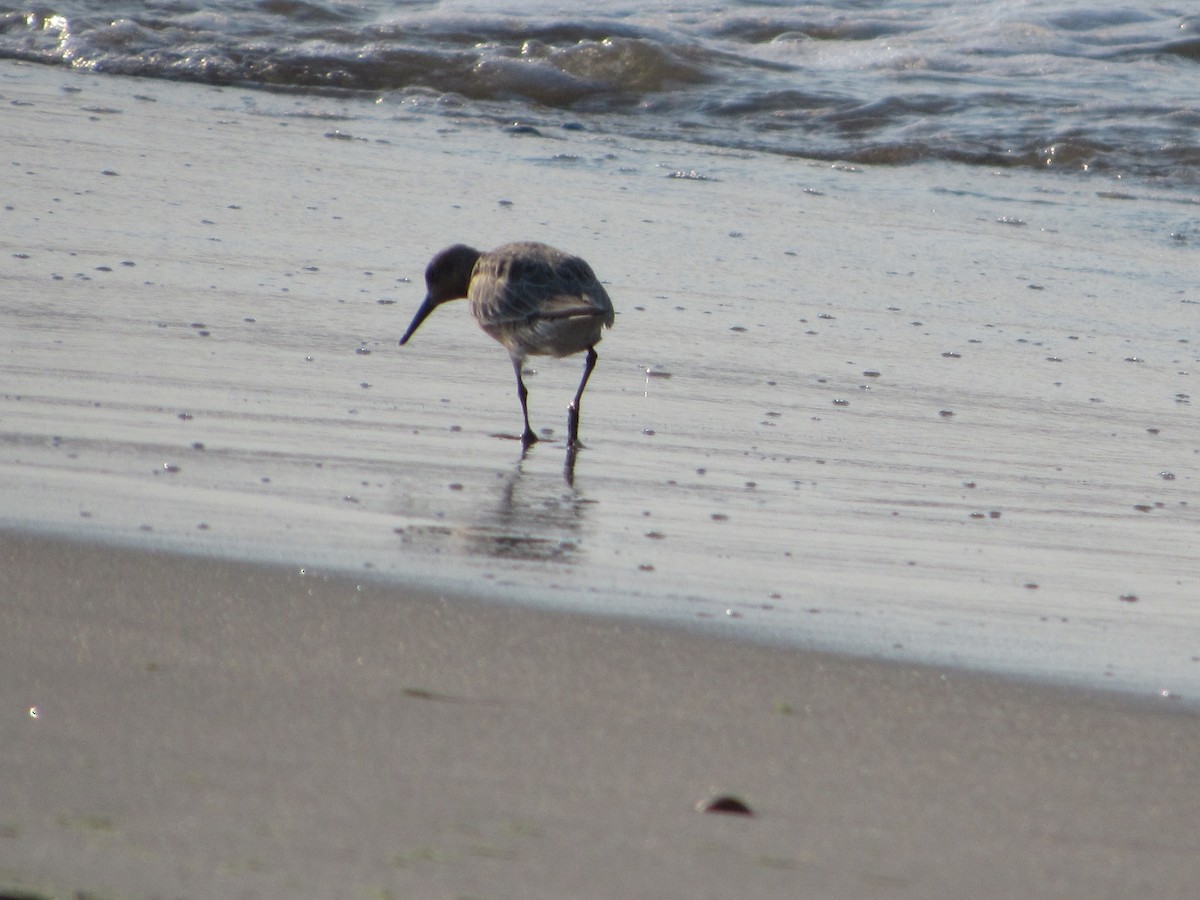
pixel 898 421
pixel 862 410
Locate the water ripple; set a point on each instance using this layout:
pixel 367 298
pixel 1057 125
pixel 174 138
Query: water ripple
pixel 1068 86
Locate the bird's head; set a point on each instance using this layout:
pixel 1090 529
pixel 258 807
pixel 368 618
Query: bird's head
pixel 447 277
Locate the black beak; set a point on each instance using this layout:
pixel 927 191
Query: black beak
pixel 422 314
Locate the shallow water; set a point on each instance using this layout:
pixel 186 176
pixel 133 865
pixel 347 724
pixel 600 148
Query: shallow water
pixel 1071 86
pixel 936 413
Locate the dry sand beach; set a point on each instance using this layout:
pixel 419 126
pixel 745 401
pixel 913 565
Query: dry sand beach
pixel 886 520
pixel 209 729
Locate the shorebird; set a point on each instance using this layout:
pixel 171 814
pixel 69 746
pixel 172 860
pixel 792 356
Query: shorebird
pixel 533 299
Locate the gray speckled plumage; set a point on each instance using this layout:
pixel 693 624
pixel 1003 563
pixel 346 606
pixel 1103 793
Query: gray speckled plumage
pixel 532 298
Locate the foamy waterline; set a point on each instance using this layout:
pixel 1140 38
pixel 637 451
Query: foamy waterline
pixel 1069 88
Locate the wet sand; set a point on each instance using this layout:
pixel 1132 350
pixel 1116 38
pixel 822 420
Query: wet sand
pixel 937 413
pixel 901 414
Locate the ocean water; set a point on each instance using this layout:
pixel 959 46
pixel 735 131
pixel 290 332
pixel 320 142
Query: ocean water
pixel 1070 86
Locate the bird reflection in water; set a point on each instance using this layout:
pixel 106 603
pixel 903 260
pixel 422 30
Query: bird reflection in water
pixel 537 516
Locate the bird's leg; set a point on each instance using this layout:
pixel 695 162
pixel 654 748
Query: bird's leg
pixel 528 437
pixel 573 409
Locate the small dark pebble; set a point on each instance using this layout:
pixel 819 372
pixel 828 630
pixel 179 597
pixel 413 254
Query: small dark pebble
pixel 725 803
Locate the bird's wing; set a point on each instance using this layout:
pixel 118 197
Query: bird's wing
pixel 515 290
